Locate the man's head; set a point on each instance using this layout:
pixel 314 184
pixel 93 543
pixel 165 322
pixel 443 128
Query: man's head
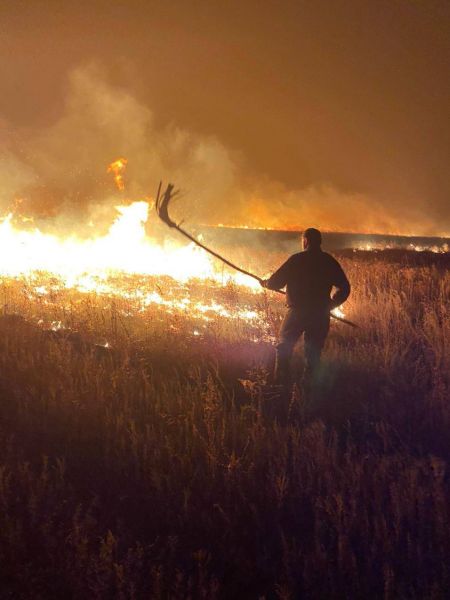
pixel 312 239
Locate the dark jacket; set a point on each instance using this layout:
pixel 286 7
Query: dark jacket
pixel 309 277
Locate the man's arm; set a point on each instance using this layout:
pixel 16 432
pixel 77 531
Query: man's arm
pixel 342 284
pixel 279 279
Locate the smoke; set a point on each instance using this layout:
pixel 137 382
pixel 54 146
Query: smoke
pixel 325 207
pixel 61 171
pixel 58 175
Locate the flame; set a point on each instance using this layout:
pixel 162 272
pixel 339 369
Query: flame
pixel 374 246
pixel 126 248
pixel 107 265
pixel 101 265
pixel 117 167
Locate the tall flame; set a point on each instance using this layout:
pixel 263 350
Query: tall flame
pixel 117 167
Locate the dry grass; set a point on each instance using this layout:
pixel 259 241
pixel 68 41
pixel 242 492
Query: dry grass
pixel 145 470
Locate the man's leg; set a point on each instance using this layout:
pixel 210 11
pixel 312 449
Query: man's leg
pixel 316 332
pixel 290 331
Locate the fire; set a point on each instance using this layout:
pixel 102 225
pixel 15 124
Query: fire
pixel 126 248
pixel 125 263
pixel 110 265
pixel 107 264
pixel 104 264
pixel 117 167
pixel 374 246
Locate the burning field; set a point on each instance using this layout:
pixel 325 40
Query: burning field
pixel 159 439
pixel 141 456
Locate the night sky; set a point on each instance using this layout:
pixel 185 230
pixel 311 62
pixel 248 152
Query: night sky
pixel 328 101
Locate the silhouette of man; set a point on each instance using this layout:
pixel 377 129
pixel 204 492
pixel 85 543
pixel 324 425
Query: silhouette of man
pixel 309 277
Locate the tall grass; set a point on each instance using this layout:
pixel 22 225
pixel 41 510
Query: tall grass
pixel 145 470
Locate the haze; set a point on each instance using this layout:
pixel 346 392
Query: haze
pixel 330 114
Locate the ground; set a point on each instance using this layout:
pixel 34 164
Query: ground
pixel 135 463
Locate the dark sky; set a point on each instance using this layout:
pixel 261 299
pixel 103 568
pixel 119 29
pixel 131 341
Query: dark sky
pixel 353 94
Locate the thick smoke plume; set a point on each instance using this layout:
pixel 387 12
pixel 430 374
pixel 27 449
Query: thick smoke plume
pixel 58 175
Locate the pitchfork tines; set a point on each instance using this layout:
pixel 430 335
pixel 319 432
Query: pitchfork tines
pixel 162 204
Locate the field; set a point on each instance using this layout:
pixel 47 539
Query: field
pixel 136 464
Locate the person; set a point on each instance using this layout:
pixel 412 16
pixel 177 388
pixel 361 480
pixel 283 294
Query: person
pixel 309 277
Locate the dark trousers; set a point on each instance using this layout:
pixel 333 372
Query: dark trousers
pixel 315 329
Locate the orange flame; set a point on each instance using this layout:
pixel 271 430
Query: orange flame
pixel 117 167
